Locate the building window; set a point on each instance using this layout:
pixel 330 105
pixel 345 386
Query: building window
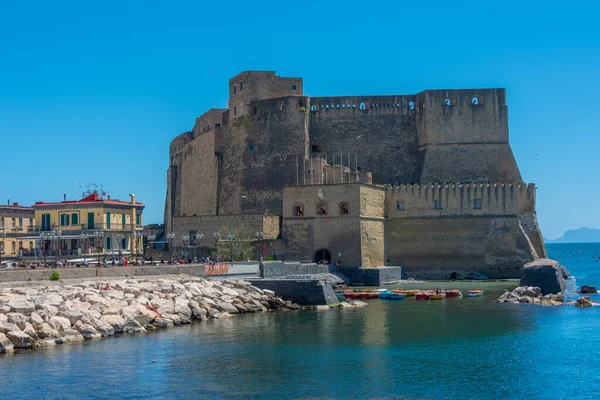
pixel 64 219
pixel 123 220
pixel 108 243
pixel 293 87
pixel 14 223
pixel 234 89
pixel 399 205
pixel 250 144
pixel 298 211
pixel 322 208
pixel 30 245
pixel 20 222
pixel 477 204
pixel 45 222
pixel 344 209
pixel 13 247
pixel 234 110
pixel 241 86
pixel 138 219
pixel 74 219
pixel 107 220
pixel 437 204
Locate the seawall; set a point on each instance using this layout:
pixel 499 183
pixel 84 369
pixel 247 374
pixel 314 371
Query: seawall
pixel 309 292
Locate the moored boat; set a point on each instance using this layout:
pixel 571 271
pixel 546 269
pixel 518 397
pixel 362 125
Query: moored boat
pixel 398 295
pixel 475 292
pixel 437 296
pixel 392 295
pixel 453 293
pixel 422 295
pixel 411 292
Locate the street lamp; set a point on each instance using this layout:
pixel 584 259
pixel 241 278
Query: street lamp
pixel 170 237
pixel 84 237
pixel 3 235
pixel 120 238
pixel 98 239
pixel 136 236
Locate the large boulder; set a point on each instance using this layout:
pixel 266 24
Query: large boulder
pixel 19 339
pixel 544 273
pixel 6 346
pixel 116 321
pixel 45 331
pixel 584 302
pixel 6 327
pixel 588 289
pixel 60 323
pixel 21 306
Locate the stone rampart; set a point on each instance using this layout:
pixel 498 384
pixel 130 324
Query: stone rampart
pixel 469 199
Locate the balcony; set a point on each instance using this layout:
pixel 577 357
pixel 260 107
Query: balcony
pixel 90 227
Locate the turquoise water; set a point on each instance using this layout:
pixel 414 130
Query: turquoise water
pixel 456 348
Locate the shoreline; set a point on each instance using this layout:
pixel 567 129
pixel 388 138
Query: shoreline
pixel 47 315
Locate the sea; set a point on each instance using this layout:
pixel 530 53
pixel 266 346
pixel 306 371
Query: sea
pixel 458 348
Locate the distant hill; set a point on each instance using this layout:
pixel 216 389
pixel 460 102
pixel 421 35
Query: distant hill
pixel 581 235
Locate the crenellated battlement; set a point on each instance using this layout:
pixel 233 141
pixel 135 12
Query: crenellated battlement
pixel 460 199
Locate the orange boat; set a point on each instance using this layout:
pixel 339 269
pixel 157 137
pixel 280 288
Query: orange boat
pixel 475 292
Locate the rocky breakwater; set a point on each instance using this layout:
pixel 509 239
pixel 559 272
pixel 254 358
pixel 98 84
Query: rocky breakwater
pixel 531 295
pixel 45 316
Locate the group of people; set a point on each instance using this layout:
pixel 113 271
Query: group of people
pixel 338 264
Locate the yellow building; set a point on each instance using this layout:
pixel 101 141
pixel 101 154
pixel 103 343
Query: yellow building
pixel 15 223
pixel 92 226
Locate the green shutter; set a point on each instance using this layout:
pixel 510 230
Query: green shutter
pixel 123 220
pixel 138 219
pixel 74 219
pixel 107 220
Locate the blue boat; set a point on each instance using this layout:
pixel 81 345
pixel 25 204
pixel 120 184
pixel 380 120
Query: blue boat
pixel 392 295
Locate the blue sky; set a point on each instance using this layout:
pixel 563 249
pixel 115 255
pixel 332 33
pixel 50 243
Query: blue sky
pixel 95 92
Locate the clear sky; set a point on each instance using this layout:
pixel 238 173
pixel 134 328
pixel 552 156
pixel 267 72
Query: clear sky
pixel 95 91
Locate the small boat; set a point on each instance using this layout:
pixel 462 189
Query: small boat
pixel 422 295
pixel 392 295
pixel 475 292
pixel 411 293
pixel 437 296
pixel 351 295
pixel 453 293
pixel 369 295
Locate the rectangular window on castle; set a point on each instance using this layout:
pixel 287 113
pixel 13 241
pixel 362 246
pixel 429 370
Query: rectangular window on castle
pixel 241 86
pixel 477 204
pixel 250 144
pixel 293 87
pixel 234 110
pixel 400 205
pixel 437 204
pixel 234 89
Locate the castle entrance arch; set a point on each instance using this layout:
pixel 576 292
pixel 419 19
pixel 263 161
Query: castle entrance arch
pixel 323 254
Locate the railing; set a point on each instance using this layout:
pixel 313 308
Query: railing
pixel 99 226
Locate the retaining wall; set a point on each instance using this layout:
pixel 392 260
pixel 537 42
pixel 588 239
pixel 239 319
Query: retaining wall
pixel 303 292
pixel 274 269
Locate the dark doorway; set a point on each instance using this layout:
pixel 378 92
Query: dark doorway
pixel 323 254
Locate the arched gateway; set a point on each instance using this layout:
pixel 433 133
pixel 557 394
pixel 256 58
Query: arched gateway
pixel 323 254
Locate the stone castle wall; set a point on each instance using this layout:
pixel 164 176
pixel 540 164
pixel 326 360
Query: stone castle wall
pixel 237 161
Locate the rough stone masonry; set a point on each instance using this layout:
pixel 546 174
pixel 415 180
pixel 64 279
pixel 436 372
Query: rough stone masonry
pixel 427 181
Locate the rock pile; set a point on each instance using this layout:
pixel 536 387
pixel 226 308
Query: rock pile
pixel 531 295
pixel 46 316
pixel 588 289
pixel 584 302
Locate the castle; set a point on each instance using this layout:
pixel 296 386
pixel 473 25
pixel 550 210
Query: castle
pixel 425 181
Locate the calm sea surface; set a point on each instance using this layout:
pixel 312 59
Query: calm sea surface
pixel 455 348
